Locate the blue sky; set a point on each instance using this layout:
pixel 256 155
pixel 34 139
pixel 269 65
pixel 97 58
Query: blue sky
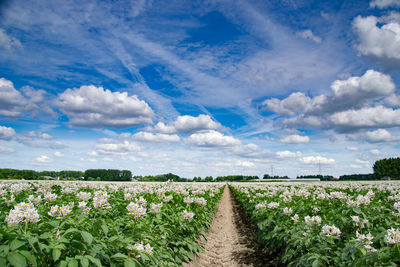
pixel 200 88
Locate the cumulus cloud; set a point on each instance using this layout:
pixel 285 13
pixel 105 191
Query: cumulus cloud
pixel 380 135
pixel 360 161
pixel 6 150
pixel 114 147
pixel 6 133
pixel 380 42
pixel 288 154
pixel 308 34
pixel 96 107
pixel 371 117
pixel 351 93
pixel 43 159
pixel 317 159
pixel 354 103
pixel 294 103
pixel 159 137
pixel 13 102
pixel 384 3
pixel 295 139
pixel 188 124
pixel 212 139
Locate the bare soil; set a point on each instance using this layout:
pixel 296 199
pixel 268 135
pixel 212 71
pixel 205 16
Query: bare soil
pixel 232 239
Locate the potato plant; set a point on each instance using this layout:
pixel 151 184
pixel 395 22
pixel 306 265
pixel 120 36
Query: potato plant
pixel 326 224
pixel 103 224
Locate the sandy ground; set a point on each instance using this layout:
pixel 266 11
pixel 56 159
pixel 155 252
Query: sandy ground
pixel 231 239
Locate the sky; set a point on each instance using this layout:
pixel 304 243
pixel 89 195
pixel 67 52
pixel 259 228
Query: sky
pixel 200 88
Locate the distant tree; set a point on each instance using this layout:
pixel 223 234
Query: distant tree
pixel 387 167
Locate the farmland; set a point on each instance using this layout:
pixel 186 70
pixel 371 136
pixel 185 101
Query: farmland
pixel 103 224
pixel 52 223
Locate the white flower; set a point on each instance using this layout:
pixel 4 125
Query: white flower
pixel 287 211
pixel 188 200
pixel 260 206
pixel 22 212
pixel 168 198
pixel 200 201
pixel 273 205
pixel 136 210
pixel 187 215
pixel 155 208
pixel 392 236
pixel 314 220
pixel 366 240
pixel 83 196
pixel 295 218
pixel 50 197
pixel 331 230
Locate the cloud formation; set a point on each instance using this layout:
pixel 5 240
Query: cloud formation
pixel 380 42
pixel 188 124
pixel 6 133
pixel 212 139
pixel 158 137
pixel 96 107
pixel 295 139
pixel 384 3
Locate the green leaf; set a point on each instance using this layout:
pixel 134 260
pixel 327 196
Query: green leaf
pixel 73 263
pixel 97 262
pixel 15 244
pixel 87 237
pixel 130 262
pixel 119 256
pixel 84 262
pixel 104 228
pixel 56 254
pixel 31 258
pixel 17 259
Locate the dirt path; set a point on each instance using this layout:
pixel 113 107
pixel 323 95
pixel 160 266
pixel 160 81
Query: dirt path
pixel 231 240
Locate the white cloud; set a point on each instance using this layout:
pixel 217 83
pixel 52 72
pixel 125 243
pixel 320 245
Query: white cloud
pixel 13 103
pixel 317 159
pixel 113 147
pixel 295 139
pixel 6 150
pixel 355 92
pixel 6 133
pixel 375 152
pixel 43 159
pixel 294 103
pixel 380 135
pixel 365 162
pixel 159 137
pixel 384 3
pixel 288 154
pixel 95 107
pixel 8 42
pixel 188 124
pixel 34 134
pixel 212 139
pixel 308 34
pixel 381 42
pixel 58 154
pixel 372 85
pixel 366 117
pixel 352 148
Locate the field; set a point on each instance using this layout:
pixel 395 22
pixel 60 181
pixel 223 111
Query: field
pixel 103 224
pixel 326 224
pixel 167 224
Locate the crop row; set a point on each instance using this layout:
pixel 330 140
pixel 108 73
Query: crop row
pixel 103 224
pixel 326 224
